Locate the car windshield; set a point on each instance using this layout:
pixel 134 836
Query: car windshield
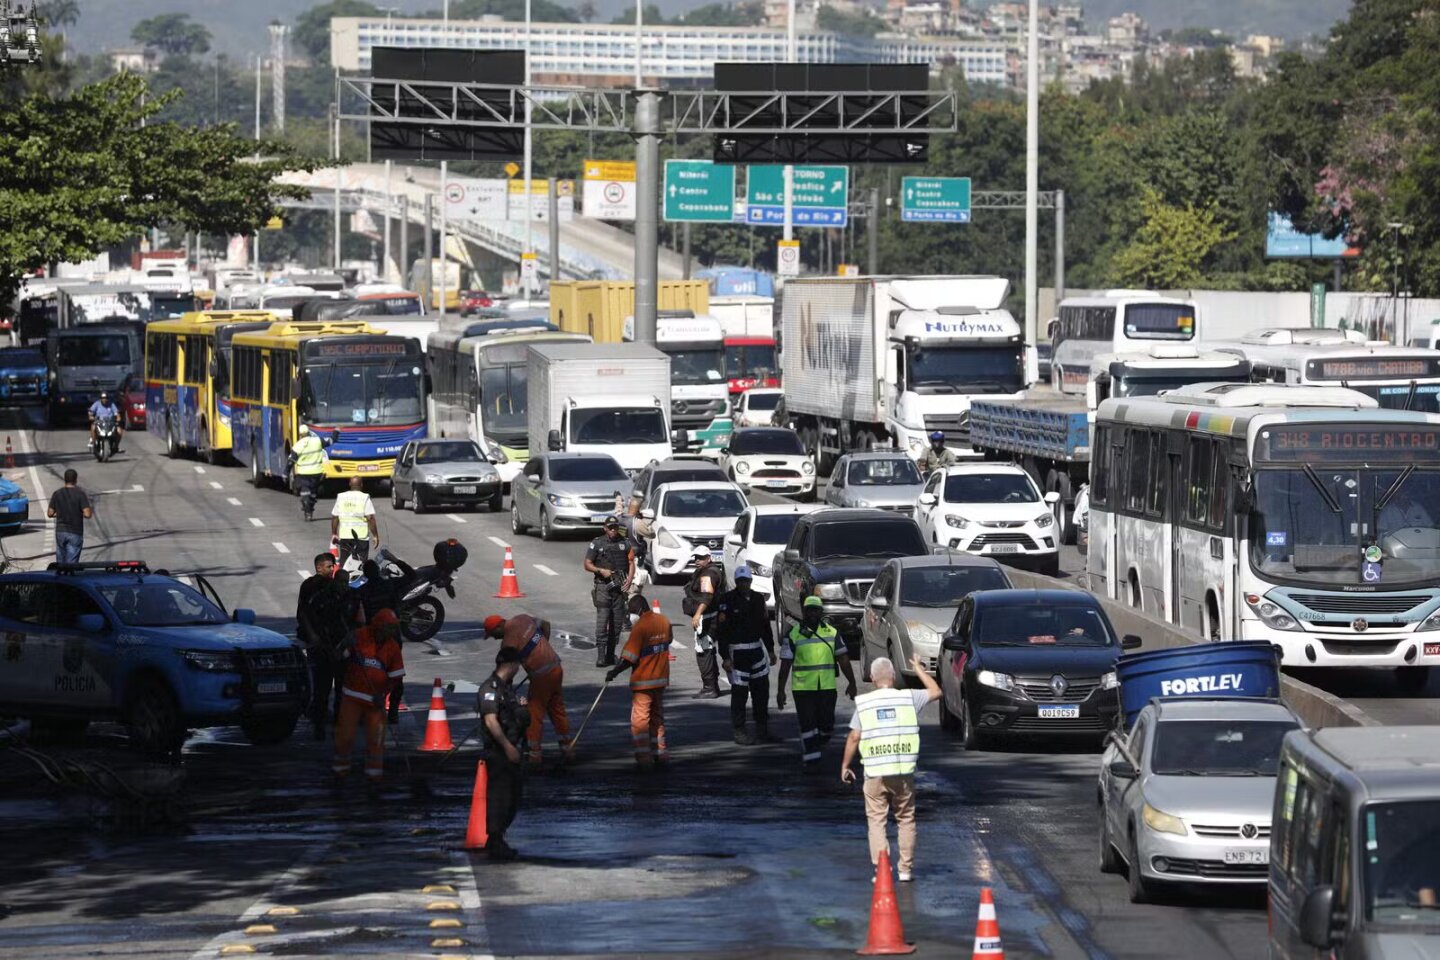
pixel 774 528
pixel 581 469
pixel 762 401
pixel 457 451
pixel 990 488
pixel 778 442
pixel 1402 863
pixel 94 351
pixel 968 370
pixel 1041 625
pixel 161 605
pixel 1307 525
pixel 691 367
pixel 21 357
pixel 682 474
pixel 373 394
pixel 878 539
pixel 618 426
pixel 947 586
pixel 703 503
pixel 502 399
pixel 890 472
pixel 1218 748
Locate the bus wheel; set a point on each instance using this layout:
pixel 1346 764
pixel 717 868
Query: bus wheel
pixel 1066 508
pixel 172 443
pixel 255 478
pixel 1212 614
pixel 1135 600
pixel 205 451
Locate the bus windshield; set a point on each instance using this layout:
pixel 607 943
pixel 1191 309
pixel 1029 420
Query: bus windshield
pixel 1397 396
pixel 698 366
pixel 1145 386
pixel 371 393
pixel 1344 526
pixel 1159 321
pixel 750 359
pixel 502 398
pixel 966 370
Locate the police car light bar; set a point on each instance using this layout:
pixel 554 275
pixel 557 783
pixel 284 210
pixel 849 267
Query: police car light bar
pixel 100 566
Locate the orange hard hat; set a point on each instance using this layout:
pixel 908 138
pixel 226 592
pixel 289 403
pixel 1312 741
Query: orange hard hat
pixel 493 621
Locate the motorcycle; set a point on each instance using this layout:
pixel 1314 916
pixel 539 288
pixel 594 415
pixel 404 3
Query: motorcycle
pixel 420 611
pixel 107 441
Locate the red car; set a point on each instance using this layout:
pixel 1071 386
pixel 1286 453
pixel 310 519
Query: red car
pixel 133 403
pixel 475 300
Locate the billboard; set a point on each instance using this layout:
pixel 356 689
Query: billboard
pixel 1283 240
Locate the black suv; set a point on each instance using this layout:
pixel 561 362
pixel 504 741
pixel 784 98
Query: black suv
pixel 836 554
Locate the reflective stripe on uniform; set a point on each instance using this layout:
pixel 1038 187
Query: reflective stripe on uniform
pixel 309 455
pixel 350 511
pixel 814 658
pixel 889 732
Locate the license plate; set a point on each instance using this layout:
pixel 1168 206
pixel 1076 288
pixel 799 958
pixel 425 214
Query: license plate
pixel 1003 548
pixel 1432 649
pixel 466 489
pixel 1059 713
pixel 599 517
pixel 367 468
pixel 718 556
pixel 776 483
pixel 279 687
pixel 1255 857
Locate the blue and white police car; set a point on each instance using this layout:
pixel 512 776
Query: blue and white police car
pixel 14 507
pixel 113 641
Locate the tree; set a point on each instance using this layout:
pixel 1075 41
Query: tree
pixel 60 13
pixel 173 34
pixel 650 12
pixel 541 11
pixel 312 28
pixel 1170 248
pixel 725 15
pixel 850 24
pixel 586 11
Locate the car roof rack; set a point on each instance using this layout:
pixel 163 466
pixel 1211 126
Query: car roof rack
pixel 100 566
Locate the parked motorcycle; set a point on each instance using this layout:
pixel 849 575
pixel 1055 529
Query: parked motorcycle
pixel 420 611
pixel 107 439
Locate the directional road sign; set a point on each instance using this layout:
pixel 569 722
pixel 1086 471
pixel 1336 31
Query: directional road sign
pixel 935 199
pixel 699 191
pixel 819 196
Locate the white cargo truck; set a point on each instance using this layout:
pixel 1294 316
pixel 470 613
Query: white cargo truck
pixel 870 361
pixel 699 390
pixel 744 316
pixel 600 398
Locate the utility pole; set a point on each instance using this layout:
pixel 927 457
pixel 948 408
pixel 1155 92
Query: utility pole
pixel 404 250
pixel 257 97
pixel 444 238
pixel 554 187
pixel 872 234
pixel 1059 248
pixel 525 286
pixel 429 268
pixel 277 73
pixel 335 154
pixel 685 248
pixel 791 45
pixel 647 214
pixel 389 208
pixel 1032 173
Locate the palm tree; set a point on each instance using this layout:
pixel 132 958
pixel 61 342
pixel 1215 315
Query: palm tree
pixel 60 13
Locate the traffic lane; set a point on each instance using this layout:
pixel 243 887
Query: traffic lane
pixel 1378 692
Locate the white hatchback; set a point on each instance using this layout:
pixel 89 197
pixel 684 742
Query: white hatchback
pixel 691 514
pixel 756 407
pixel 761 532
pixel 994 510
pixel 770 459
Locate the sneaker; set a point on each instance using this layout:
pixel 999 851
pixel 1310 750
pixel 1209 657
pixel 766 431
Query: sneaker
pixel 743 738
pixel 707 695
pixel 906 877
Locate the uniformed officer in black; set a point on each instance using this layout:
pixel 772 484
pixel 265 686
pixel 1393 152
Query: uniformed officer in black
pixel 503 734
pixel 701 594
pixel 612 562
pixel 747 652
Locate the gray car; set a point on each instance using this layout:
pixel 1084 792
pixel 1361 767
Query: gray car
pixel 559 492
pixel 675 470
pixel 435 473
pixel 913 601
pixel 884 479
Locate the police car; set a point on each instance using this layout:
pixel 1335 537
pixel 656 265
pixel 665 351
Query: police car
pixel 102 641
pixel 14 507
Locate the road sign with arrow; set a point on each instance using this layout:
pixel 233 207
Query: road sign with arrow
pixel 818 195
pixel 935 199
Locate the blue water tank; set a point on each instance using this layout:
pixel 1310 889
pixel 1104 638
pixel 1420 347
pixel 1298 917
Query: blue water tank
pixel 1234 669
pixel 737 281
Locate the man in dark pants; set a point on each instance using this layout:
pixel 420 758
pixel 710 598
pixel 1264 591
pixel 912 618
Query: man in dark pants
pixel 701 593
pixel 747 652
pixel 374 595
pixel 504 737
pixel 323 617
pixel 814 652
pixel 612 562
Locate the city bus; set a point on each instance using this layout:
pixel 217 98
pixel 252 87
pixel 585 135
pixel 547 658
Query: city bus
pixel 187 403
pixel 1397 378
pixel 343 379
pixel 1121 321
pixel 1307 517
pixel 480 389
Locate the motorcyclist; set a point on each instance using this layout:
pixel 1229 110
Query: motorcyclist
pixel 101 409
pixel 936 456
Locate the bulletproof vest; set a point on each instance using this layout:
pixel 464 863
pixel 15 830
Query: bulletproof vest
pixel 694 596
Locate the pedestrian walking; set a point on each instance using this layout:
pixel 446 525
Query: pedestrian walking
pixel 307 459
pixel 812 651
pixel 612 562
pixel 373 668
pixel 747 652
pixel 531 636
pixel 502 732
pixel 69 508
pixel 353 526
pixel 885 733
pixel 705 586
pixel 324 614
pixel 647 656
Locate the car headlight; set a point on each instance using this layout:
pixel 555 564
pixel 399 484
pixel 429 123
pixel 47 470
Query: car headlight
pixel 212 661
pixel 742 467
pixel 1109 681
pixel 860 503
pixel 1000 681
pixel 955 520
pixel 759 569
pixel 1162 822
pixel 1274 616
pixel 559 501
pixel 830 591
pixel 434 478
pixel 807 468
pixel 1044 520
pixel 668 540
pixel 922 633
pixel 1431 622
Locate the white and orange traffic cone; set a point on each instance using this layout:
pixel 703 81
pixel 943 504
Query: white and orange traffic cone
pixel 509 583
pixel 987 930
pixel 9 454
pixel 437 725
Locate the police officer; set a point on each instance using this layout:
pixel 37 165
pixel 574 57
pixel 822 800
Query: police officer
pixel 814 653
pixel 936 457
pixel 308 459
pixel 747 652
pixel 612 562
pixel 324 613
pixel 701 593
pixel 503 732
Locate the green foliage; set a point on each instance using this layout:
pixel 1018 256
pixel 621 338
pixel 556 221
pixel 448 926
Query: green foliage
pixel 850 24
pixel 312 28
pixel 650 12
pixel 725 15
pixel 541 11
pixel 172 34
pixel 1172 244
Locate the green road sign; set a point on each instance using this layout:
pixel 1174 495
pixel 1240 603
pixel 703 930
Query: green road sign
pixel 935 199
pixel 819 194
pixel 699 191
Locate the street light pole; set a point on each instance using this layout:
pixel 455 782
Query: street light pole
pixel 1032 173
pixel 525 284
pixel 788 230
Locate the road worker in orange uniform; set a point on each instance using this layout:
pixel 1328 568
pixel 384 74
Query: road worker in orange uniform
pixel 531 636
pixel 373 667
pixel 647 655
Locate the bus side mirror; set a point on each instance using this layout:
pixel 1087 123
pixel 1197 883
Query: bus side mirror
pixel 335 435
pixel 1244 500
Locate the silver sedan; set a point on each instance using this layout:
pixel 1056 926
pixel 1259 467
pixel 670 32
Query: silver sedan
pixel 434 473
pixel 885 479
pixel 559 492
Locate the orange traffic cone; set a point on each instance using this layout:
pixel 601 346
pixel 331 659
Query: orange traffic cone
pixel 9 454
pixel 987 930
pixel 509 583
pixel 437 727
pixel 655 609
pixel 886 934
pixel 476 834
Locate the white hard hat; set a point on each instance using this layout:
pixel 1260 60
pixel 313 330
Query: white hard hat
pixel 304 430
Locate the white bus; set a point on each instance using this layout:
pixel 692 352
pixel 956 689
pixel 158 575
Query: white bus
pixel 1397 378
pixel 1307 517
pixel 479 390
pixel 1121 321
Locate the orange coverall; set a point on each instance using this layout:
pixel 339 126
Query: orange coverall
pixel 372 670
pixel 542 664
pixel 648 648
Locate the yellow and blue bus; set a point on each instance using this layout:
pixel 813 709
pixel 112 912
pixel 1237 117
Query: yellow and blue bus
pixel 342 379
pixel 187 368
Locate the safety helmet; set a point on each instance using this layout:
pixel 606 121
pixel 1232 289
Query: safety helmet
pixel 104 394
pixel 937 435
pixel 813 601
pixel 304 430
pixel 742 572
pixel 493 622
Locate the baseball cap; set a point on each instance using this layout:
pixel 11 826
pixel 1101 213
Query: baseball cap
pixel 700 552
pixel 813 601
pixel 493 621
pixel 742 572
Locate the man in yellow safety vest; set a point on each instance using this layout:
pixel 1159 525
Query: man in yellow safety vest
pixel 885 732
pixel 352 524
pixel 814 653
pixel 308 457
